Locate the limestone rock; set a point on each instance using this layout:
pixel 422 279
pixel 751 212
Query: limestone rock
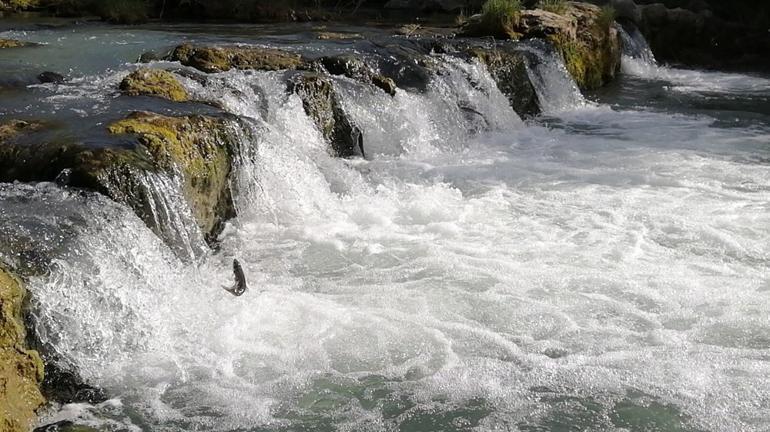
pixel 585 36
pixel 354 67
pixel 21 370
pixel 221 59
pixel 154 82
pixel 321 104
pixel 509 70
pixel 200 149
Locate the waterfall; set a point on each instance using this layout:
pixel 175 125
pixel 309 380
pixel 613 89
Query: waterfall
pixel 555 87
pixel 635 46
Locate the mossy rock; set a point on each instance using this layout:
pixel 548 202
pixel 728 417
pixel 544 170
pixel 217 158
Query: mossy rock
pixel 322 105
pixel 586 39
pixel 154 82
pixel 200 149
pixel 21 370
pixel 221 59
pixel 593 57
pixel 13 43
pixel 509 70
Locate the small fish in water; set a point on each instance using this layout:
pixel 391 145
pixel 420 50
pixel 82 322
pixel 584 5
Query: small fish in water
pixel 240 280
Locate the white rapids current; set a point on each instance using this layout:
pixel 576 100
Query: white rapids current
pixel 477 272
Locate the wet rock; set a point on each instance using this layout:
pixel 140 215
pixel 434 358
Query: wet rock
pixel 197 147
pixel 509 70
pixel 354 67
pixel 408 64
pixel 220 59
pixel 21 369
pixel 65 426
pixel 322 105
pixel 149 57
pixel 585 36
pixel 50 77
pixel 154 82
pixel 67 387
pixel 13 43
pixel 10 129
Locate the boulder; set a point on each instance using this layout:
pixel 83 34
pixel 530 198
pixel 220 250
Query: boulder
pixel 21 369
pixel 200 149
pixel 50 77
pixel 509 70
pixel 321 104
pixel 354 67
pixel 221 59
pixel 154 82
pixel 586 37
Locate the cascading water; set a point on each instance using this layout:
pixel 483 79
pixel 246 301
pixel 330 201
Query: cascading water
pixel 474 273
pixel 638 60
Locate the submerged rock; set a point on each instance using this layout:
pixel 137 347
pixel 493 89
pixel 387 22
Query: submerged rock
pixel 13 43
pixel 21 369
pixel 322 105
pixel 221 59
pixel 196 147
pixel 10 129
pixel 154 82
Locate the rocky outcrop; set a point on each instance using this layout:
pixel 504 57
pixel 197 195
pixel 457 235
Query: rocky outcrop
pixel 221 59
pixel 154 82
pixel 354 67
pixel 198 149
pixel 586 37
pixel 508 67
pixel 21 370
pixel 322 105
pixel 584 34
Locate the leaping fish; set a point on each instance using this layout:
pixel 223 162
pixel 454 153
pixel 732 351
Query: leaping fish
pixel 240 280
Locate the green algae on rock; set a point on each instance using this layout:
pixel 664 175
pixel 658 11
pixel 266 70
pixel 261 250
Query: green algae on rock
pixel 154 82
pixel 13 43
pixel 221 59
pixel 21 370
pixel 196 147
pixel 585 37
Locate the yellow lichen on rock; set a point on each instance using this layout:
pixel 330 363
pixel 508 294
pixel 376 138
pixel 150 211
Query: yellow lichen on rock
pixel 198 148
pixel 154 82
pixel 21 370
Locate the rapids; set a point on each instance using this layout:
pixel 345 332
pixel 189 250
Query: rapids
pixel 605 266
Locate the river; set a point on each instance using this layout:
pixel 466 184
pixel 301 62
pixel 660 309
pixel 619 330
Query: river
pixel 603 266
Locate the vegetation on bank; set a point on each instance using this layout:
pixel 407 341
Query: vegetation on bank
pixel 555 6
